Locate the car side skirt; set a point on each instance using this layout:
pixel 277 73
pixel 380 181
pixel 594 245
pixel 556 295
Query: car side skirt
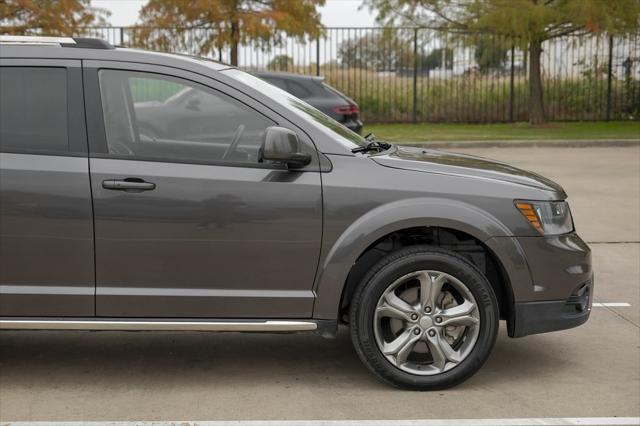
pixel 157 325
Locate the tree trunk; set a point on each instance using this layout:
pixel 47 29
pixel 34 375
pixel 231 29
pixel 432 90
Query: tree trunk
pixel 536 104
pixel 235 40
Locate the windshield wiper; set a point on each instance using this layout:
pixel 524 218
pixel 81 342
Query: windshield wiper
pixel 372 145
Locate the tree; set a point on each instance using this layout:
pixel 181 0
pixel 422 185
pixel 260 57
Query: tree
pixel 434 59
pixel 528 23
pixel 210 25
pixel 391 49
pixel 52 17
pixel 490 54
pixel 280 63
pixel 380 50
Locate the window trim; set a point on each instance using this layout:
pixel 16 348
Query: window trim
pixel 77 145
pixel 98 147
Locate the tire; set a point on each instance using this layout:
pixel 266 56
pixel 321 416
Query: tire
pixel 373 319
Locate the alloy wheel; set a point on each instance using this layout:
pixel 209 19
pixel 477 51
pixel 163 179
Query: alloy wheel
pixel 426 322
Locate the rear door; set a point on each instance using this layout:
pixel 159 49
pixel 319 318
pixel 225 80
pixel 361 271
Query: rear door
pixel 188 222
pixel 46 224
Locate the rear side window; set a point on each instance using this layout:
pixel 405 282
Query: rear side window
pixel 276 82
pixel 33 109
pixel 331 92
pixel 297 89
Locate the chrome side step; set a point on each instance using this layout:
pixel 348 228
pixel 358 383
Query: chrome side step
pixel 146 325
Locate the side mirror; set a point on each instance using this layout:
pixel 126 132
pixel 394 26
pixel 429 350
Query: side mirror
pixel 282 146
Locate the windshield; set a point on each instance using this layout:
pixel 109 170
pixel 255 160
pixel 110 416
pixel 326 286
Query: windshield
pixel 313 116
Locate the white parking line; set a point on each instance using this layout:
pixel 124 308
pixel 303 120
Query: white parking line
pixel 543 421
pixel 611 305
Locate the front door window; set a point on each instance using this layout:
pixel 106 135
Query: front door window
pixel 156 117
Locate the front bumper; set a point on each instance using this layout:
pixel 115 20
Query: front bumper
pixel 543 317
pixel 562 285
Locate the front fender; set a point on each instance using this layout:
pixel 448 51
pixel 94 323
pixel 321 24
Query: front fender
pixel 342 253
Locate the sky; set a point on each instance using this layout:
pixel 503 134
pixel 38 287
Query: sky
pixel 335 13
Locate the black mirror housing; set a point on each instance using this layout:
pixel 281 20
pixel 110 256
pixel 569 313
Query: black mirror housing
pixel 282 145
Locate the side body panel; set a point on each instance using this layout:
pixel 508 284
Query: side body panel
pixel 46 236
pixel 209 241
pixel 46 224
pixel 364 201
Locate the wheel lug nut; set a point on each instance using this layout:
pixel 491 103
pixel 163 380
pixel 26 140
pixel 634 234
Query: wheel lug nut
pixel 414 316
pixel 416 331
pixel 438 320
pixel 427 310
pixel 432 333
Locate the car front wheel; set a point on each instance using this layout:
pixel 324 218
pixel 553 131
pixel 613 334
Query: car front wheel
pixel 424 318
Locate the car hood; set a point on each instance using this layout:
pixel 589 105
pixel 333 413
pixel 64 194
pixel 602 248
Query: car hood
pixel 442 162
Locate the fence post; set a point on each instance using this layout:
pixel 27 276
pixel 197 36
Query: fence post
pixel 415 76
pixel 122 36
pixel 318 56
pixel 511 83
pixel 609 77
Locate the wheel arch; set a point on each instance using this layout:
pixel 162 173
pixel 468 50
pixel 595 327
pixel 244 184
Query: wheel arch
pixel 365 233
pixel 472 249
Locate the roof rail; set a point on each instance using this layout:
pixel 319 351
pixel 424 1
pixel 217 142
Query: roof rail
pixel 87 43
pixel 11 39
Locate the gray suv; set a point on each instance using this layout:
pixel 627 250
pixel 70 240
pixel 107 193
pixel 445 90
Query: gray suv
pixel 149 191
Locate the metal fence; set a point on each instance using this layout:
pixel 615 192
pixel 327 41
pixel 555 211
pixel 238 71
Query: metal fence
pixel 425 75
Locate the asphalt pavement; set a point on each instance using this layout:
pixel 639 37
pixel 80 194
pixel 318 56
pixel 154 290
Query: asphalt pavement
pixel 590 371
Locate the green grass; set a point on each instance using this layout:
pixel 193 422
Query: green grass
pixel 513 131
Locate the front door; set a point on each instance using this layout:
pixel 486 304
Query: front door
pixel 187 222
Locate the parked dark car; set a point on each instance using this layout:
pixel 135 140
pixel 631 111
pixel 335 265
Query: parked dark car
pixel 149 191
pixel 314 91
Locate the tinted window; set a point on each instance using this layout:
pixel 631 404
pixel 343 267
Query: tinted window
pixel 150 116
pixel 297 89
pixel 33 109
pixel 276 82
pixel 331 92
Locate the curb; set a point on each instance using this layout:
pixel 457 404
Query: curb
pixel 550 143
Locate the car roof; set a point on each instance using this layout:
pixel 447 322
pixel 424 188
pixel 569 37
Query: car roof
pixel 95 49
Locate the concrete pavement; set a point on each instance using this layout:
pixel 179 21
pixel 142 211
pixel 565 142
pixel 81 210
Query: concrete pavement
pixel 590 371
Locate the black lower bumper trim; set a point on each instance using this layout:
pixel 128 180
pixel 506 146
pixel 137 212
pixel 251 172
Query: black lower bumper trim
pixel 543 317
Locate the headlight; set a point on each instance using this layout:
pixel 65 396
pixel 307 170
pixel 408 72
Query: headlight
pixel 548 217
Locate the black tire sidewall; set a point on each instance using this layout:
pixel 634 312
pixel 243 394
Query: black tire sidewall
pixel 396 265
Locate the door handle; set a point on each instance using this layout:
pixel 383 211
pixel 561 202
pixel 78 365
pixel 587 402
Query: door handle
pixel 128 184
